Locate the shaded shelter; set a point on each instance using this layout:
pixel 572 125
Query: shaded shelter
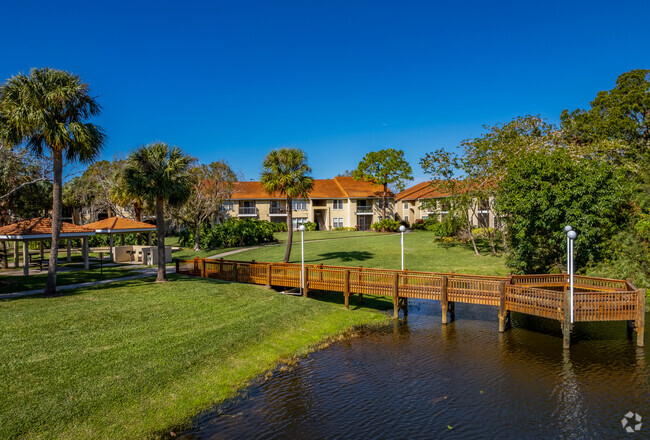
pixel 120 226
pixel 40 229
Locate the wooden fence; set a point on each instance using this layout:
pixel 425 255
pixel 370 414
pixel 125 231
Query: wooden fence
pixel 595 299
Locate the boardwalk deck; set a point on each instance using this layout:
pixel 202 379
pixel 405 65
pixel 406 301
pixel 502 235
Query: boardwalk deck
pixel 595 299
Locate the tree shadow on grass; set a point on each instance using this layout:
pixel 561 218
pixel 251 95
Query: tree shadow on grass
pixel 381 303
pixel 344 256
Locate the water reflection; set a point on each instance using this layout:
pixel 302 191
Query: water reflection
pixel 417 378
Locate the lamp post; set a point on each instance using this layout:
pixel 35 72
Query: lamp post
pixel 302 265
pixel 571 235
pixel 402 228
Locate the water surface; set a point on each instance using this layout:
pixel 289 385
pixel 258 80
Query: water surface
pixel 418 379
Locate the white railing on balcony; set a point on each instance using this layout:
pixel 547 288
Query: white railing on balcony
pixel 246 210
pixel 364 209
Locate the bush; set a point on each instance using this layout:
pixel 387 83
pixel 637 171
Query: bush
pixel 345 228
pixel 419 225
pixel 386 225
pixel 449 227
pixel 279 227
pixel 231 233
pixel 310 226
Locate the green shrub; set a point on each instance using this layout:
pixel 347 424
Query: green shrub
pixel 482 232
pixel 231 233
pixel 449 226
pixel 419 225
pixel 279 227
pixel 310 226
pixel 345 228
pixel 386 225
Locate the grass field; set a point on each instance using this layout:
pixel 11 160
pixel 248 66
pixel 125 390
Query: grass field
pixel 36 279
pixel 136 359
pixel 188 253
pixel 383 250
pixel 324 235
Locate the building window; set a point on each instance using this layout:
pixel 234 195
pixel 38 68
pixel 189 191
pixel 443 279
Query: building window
pixel 483 219
pixel 299 205
pixel 228 205
pixel 298 221
pixel 337 204
pixel 406 205
pixel 337 222
pixel 406 218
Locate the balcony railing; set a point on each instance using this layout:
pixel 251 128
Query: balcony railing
pixel 246 210
pixel 277 210
pixel 364 209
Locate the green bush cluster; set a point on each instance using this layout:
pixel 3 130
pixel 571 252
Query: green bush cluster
pixel 279 227
pixel 310 226
pixel 449 226
pixel 231 233
pixel 386 225
pixel 345 228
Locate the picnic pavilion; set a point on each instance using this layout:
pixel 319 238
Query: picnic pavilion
pixel 120 226
pixel 40 229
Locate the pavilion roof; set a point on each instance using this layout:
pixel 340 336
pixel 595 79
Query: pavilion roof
pixel 118 225
pixel 41 227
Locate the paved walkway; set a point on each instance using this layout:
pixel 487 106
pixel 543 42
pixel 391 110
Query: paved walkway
pixel 236 251
pixel 141 273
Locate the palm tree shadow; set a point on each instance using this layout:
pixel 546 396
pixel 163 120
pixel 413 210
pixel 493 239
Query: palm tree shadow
pixel 344 256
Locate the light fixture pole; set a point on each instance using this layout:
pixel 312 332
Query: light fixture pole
pixel 402 228
pixel 571 235
pixel 302 265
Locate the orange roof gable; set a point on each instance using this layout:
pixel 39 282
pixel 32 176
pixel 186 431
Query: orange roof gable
pixel 336 188
pixel 41 226
pixel 119 224
pixel 422 190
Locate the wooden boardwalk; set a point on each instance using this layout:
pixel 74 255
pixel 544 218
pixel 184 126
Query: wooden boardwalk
pixel 547 296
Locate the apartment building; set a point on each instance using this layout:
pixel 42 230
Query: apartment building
pixel 409 205
pixel 338 202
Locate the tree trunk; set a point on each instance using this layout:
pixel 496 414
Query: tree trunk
pixel 471 236
pixel 197 233
pixel 57 172
pixel 3 249
pixel 137 209
pixel 287 252
pixel 160 232
pixel 383 209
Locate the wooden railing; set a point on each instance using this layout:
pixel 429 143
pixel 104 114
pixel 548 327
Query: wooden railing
pixel 595 299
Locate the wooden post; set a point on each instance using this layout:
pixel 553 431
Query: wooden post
pixel 16 255
pixel 221 268
pixel 631 326
pixel 85 251
pixel 122 239
pixel 26 257
pixel 452 311
pixel 110 245
pixel 305 282
pixel 68 251
pixel 268 275
pixel 566 325
pixel 346 288
pixel 640 320
pixel 503 313
pixel 404 305
pixel 149 239
pixel 360 285
pixel 395 295
pixel 202 265
pixel 234 272
pixel 42 248
pixel 178 266
pixel 444 302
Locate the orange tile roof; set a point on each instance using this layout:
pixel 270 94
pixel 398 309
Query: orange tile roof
pixel 119 224
pixel 422 190
pixel 41 226
pixel 336 188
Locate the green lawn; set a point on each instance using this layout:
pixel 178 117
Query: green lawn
pixel 137 359
pixel 36 279
pixel 189 254
pixel 383 251
pixel 324 235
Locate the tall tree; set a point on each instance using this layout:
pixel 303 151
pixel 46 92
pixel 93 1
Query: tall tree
pixel 48 111
pixel 211 184
pixel 159 174
pixel 286 172
pixel 384 167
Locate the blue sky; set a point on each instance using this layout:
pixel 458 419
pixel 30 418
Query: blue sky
pixel 232 80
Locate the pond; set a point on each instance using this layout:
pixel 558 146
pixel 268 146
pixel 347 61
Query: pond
pixel 418 379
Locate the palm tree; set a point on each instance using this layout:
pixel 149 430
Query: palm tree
pixel 159 174
pixel 47 111
pixel 285 172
